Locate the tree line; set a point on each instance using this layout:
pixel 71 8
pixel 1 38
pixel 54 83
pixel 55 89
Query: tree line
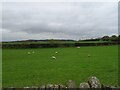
pixel 113 38
pixel 105 40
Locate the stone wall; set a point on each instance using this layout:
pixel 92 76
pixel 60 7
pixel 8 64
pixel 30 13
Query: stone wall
pixel 92 83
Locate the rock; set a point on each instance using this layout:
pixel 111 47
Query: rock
pixel 26 88
pixel 10 88
pixel 71 84
pixel 34 88
pixel 50 86
pixel 62 87
pixel 56 86
pixel 43 87
pixel 94 82
pixel 84 85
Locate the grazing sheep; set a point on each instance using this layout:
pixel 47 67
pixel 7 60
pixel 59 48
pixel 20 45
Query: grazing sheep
pixel 53 57
pixel 56 52
pixel 29 53
pixel 89 55
pixel 78 47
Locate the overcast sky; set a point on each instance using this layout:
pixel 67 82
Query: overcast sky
pixel 52 20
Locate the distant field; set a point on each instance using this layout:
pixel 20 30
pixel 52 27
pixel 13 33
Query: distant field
pixel 47 42
pixel 21 69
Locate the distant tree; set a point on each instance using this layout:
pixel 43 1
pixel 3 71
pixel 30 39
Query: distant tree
pixel 114 38
pixel 118 36
pixel 105 38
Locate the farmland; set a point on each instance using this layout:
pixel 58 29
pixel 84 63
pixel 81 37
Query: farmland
pixel 21 69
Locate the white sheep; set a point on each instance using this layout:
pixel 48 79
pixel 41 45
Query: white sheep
pixel 89 55
pixel 56 52
pixel 78 47
pixel 53 57
pixel 29 53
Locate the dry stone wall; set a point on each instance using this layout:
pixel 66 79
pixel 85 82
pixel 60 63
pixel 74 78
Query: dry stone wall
pixel 93 83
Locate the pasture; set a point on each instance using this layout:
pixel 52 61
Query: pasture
pixel 21 69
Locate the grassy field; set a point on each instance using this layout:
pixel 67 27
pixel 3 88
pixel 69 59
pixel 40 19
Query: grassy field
pixel 21 69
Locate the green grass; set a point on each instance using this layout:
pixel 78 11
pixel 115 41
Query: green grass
pixel 20 69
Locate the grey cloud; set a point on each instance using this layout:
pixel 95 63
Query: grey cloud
pixel 59 20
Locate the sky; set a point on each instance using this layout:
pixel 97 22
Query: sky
pixel 58 20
